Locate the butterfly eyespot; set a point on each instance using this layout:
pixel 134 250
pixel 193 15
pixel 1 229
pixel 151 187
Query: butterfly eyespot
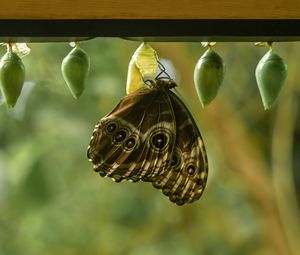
pixel 130 143
pixel 110 128
pixel 120 136
pixel 191 169
pixel 160 140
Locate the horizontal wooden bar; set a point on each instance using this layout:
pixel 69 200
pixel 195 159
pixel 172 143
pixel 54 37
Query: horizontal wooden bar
pixel 150 30
pixel 150 9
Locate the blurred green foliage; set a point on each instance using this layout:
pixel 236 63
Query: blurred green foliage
pixel 51 201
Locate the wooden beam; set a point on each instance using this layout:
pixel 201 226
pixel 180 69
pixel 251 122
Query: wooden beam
pixel 152 20
pixel 150 9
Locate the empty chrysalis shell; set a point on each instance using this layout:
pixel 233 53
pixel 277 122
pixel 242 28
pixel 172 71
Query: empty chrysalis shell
pixel 143 65
pixel 270 73
pixel 12 75
pixel 145 58
pixel 134 78
pixel 208 76
pixel 75 67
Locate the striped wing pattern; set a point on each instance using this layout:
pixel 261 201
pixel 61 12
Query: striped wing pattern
pixel 151 136
pixel 185 180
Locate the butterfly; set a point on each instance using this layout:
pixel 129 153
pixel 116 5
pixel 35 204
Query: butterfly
pixel 151 136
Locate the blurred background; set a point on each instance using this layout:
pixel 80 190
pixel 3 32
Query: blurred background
pixel 52 202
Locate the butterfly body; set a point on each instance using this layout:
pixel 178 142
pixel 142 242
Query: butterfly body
pixel 151 136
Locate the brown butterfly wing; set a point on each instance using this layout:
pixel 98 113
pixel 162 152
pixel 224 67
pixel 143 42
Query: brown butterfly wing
pixel 136 139
pixel 186 178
